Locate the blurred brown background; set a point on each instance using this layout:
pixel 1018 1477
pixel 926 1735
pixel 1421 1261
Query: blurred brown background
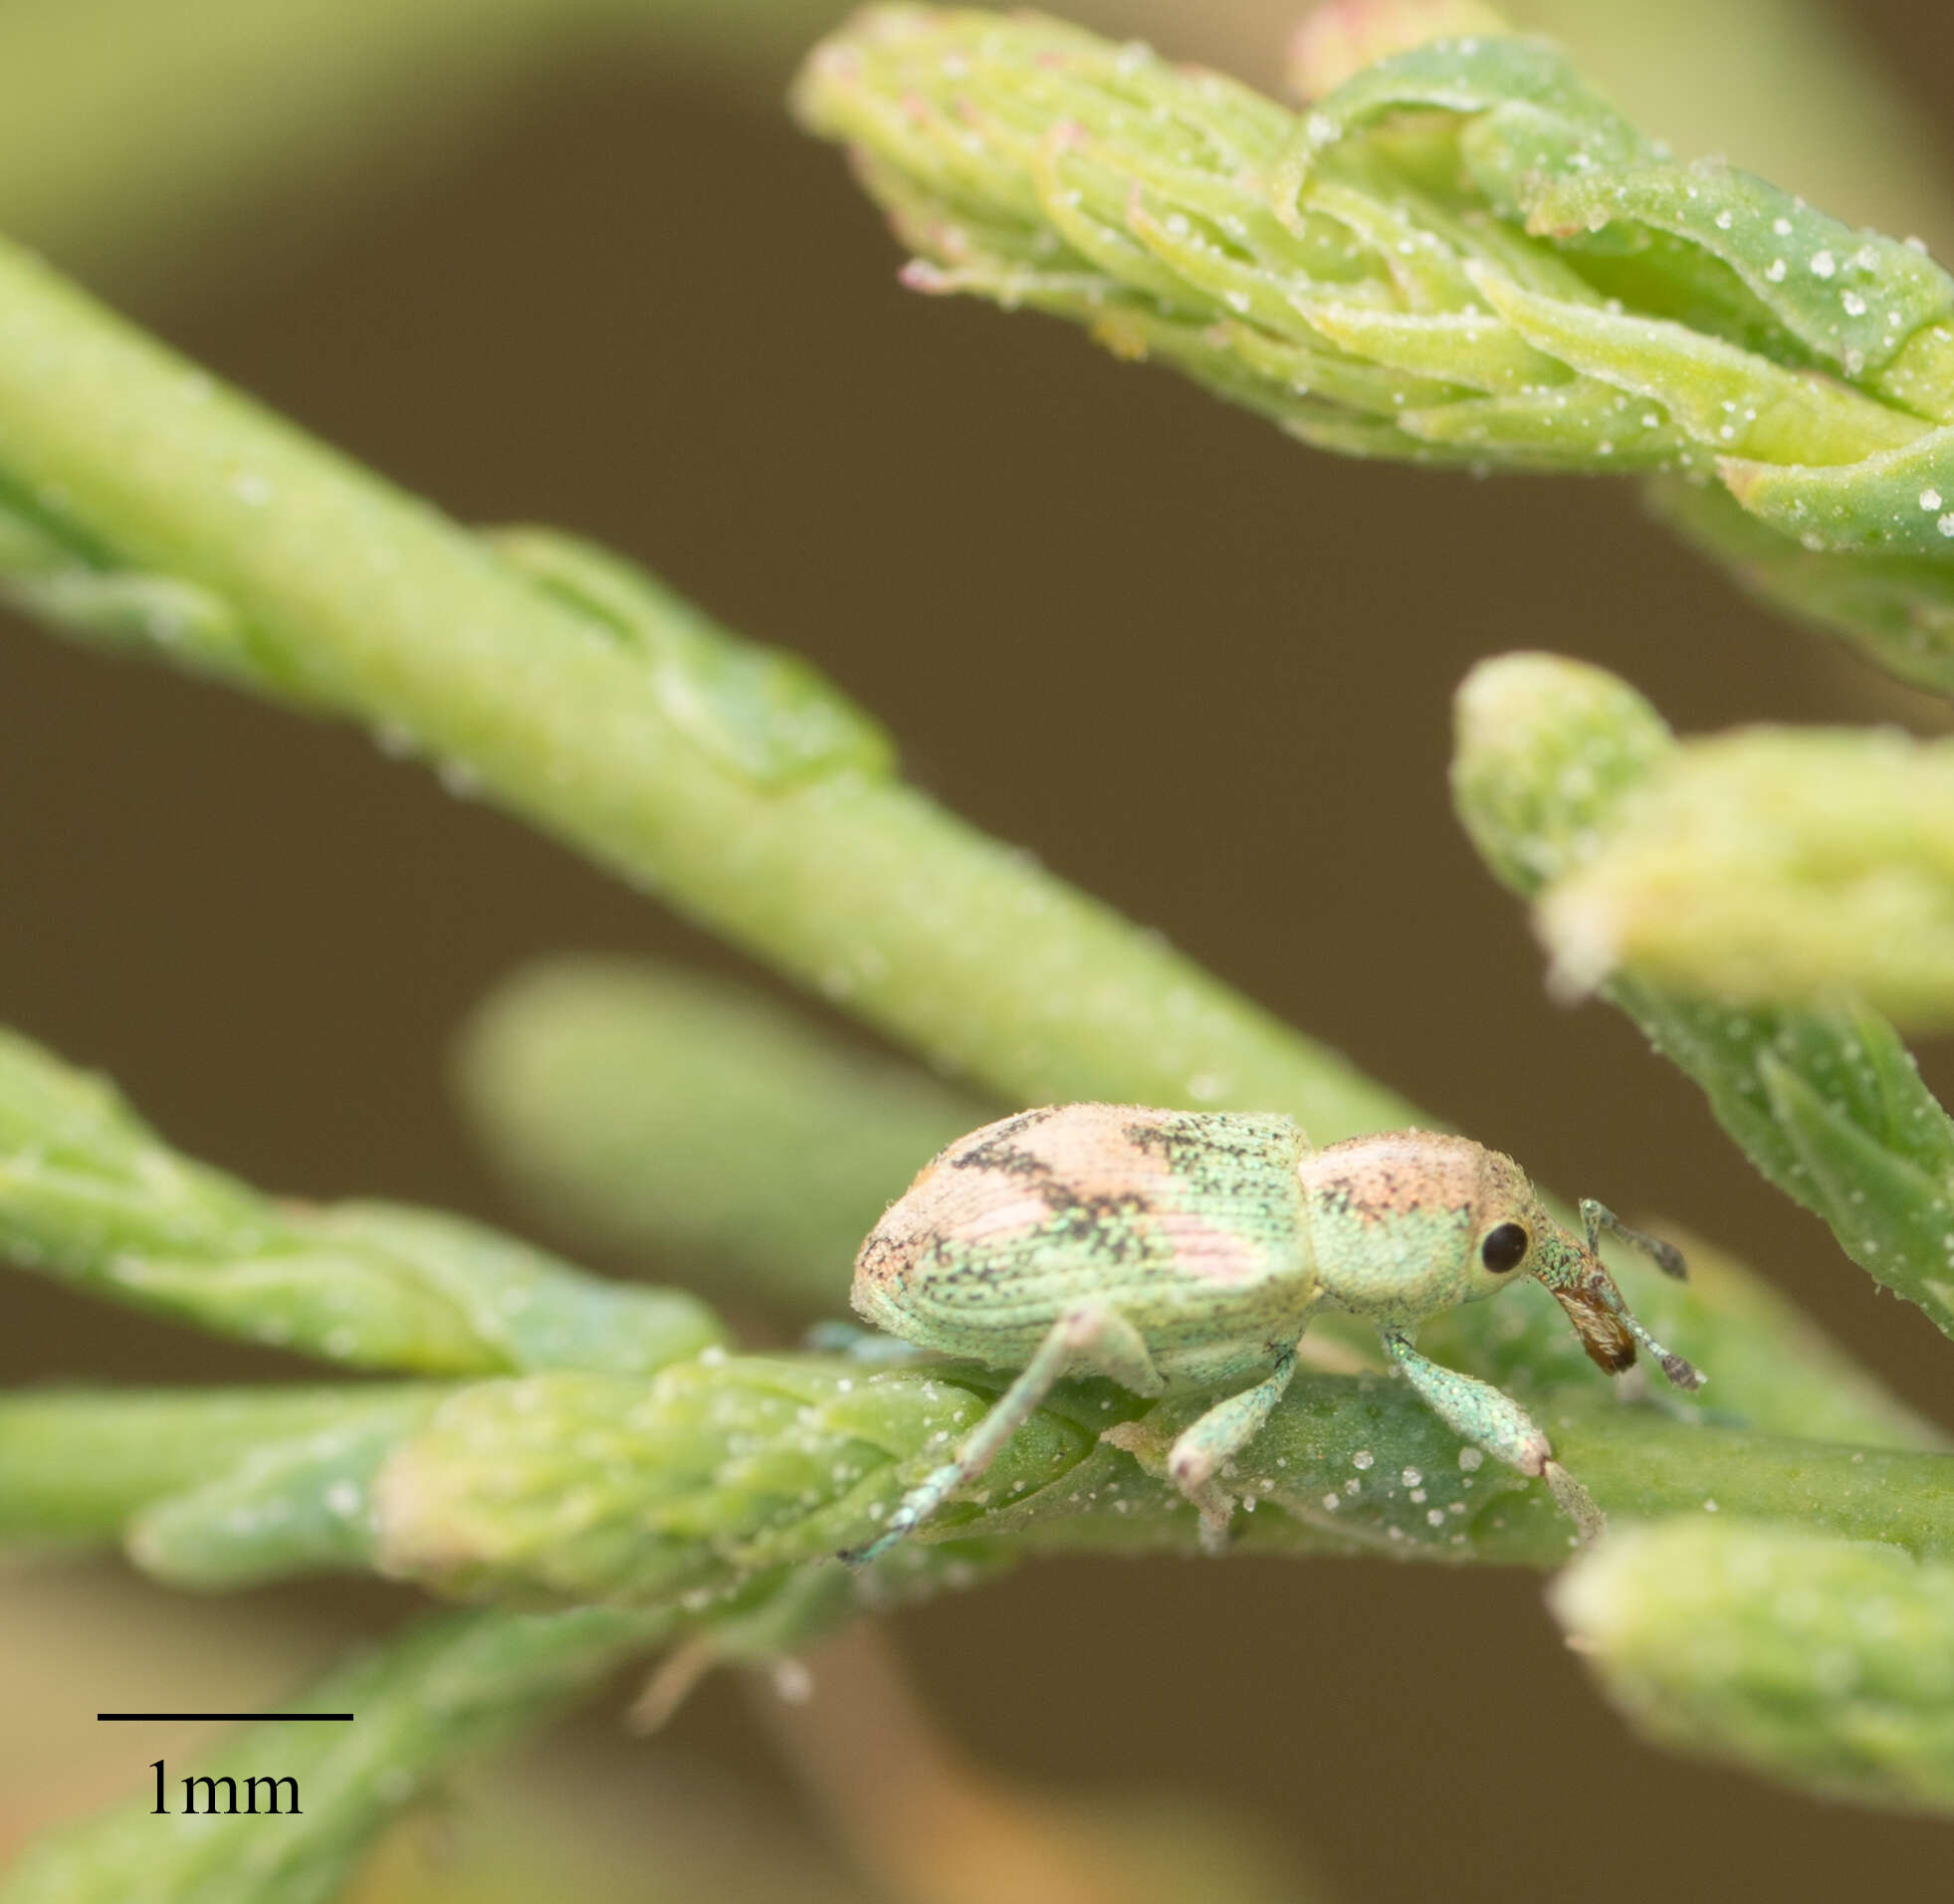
pixel 641 307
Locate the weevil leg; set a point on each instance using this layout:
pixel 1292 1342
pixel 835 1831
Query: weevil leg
pixel 1497 1424
pixel 1204 1449
pixel 1087 1337
pixel 869 1346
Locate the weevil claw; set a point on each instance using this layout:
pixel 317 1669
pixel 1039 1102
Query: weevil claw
pixel 1590 1522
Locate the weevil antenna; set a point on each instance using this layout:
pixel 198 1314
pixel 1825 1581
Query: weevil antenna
pixel 1666 1256
pixel 1683 1374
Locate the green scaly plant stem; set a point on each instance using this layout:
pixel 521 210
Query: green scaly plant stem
pixel 80 1466
pixel 1460 255
pixel 90 1195
pixel 717 1474
pixel 1826 1101
pixel 727 1482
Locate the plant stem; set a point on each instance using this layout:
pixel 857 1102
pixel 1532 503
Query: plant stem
pixel 91 1195
pixel 78 1465
pixel 360 600
pixel 1825 1663
pixel 689 1120
pixel 1460 255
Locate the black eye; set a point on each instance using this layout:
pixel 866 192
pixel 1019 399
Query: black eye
pixel 1503 1247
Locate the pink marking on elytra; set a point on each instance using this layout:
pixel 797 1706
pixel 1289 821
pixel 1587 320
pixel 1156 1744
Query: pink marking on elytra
pixel 1214 1255
pixel 1026 1213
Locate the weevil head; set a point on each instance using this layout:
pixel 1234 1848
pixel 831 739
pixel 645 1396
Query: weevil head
pixel 1412 1222
pixel 1408 1223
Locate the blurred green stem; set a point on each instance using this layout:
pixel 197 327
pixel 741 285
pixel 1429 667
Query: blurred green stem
pixel 77 1466
pixel 688 1119
pixel 350 596
pixel 132 128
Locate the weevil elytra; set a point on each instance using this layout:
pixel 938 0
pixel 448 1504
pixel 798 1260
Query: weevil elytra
pixel 1184 1250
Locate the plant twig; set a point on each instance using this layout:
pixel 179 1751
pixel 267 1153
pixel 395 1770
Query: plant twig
pixel 1824 1662
pixel 698 1122
pixel 348 595
pixel 1826 1101
pixel 1460 255
pixel 91 1195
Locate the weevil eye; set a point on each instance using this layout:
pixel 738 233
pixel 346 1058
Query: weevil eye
pixel 1503 1246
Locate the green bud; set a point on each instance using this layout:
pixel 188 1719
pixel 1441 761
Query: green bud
pixel 1554 763
pixel 1544 750
pixel 1777 867
pixel 1823 1662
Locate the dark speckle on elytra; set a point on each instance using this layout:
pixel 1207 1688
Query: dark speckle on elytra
pixel 1104 1222
pixel 999 1155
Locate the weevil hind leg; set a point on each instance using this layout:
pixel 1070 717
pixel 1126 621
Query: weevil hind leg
pixel 1493 1420
pixel 869 1346
pixel 1087 1338
pixel 1204 1449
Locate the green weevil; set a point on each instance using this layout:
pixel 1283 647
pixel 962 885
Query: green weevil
pixel 1185 1250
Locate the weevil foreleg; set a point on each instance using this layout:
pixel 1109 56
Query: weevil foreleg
pixel 1497 1424
pixel 1088 1336
pixel 1203 1449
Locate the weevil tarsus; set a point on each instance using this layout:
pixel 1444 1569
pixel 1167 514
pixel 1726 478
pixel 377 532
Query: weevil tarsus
pixel 1202 1451
pixel 872 1346
pixel 1088 1337
pixel 1491 1420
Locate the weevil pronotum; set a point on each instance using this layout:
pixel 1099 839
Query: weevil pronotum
pixel 1181 1250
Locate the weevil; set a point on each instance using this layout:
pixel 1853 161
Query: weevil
pixel 1188 1250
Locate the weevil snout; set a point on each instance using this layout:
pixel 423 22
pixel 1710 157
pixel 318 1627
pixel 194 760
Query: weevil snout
pixel 1595 1308
pixel 1605 1324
